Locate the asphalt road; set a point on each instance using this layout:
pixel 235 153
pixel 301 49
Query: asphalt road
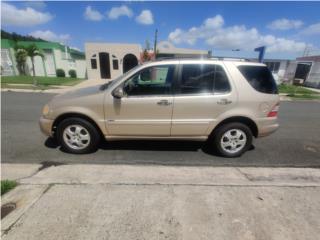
pixel 295 144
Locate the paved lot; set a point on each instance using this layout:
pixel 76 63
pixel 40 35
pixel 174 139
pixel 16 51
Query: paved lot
pixel 297 143
pixel 167 212
pixel 163 202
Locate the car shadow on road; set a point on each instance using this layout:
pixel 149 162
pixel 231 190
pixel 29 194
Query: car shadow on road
pixel 150 145
pixel 145 145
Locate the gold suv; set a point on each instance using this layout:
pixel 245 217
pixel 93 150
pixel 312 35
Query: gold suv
pixel 224 102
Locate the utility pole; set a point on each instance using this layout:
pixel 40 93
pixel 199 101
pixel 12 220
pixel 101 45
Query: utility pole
pixel 155 44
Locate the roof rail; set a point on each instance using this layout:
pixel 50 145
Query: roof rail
pixel 203 58
pixel 231 59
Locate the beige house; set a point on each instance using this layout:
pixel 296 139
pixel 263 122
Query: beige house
pixel 168 50
pixel 110 60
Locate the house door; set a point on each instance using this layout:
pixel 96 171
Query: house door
pixel 129 61
pixel 302 71
pixel 104 65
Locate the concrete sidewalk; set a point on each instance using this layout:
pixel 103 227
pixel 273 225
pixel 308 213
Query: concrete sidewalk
pixel 161 202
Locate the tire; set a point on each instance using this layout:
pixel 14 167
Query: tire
pixel 232 139
pixel 78 136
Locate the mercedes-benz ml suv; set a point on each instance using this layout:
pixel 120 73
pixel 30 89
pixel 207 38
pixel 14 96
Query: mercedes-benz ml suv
pixel 226 103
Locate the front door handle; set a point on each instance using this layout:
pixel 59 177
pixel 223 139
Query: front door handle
pixel 224 101
pixel 164 103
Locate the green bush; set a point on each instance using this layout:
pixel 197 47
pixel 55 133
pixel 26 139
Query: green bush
pixel 60 72
pixel 7 185
pixel 73 73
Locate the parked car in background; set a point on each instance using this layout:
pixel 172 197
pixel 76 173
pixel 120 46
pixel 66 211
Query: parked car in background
pixel 226 103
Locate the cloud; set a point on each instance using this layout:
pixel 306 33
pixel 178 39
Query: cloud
pixel 27 17
pixel 313 29
pixel 92 15
pixel 50 36
pixel 117 12
pixel 214 22
pixel 285 24
pixel 145 17
pixel 216 35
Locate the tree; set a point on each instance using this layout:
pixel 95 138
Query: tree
pixel 33 51
pixel 21 59
pixel 146 55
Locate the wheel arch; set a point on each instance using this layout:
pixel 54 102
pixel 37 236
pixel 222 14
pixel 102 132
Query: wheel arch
pixel 245 120
pixel 64 116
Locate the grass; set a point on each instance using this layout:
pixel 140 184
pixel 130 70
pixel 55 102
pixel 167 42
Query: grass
pixel 298 92
pixel 292 89
pixel 7 185
pixel 305 96
pixel 41 81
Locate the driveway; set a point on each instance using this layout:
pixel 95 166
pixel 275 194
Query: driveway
pixel 296 144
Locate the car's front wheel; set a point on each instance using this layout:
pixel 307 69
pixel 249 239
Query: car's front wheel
pixel 78 136
pixel 232 139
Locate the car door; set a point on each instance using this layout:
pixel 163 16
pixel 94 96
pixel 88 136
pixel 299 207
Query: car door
pixel 146 108
pixel 204 92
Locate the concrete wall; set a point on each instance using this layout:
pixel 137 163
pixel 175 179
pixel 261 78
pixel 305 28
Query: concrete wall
pixel 291 70
pixel 282 69
pixel 81 68
pixel 8 63
pixel 280 74
pixel 68 63
pixel 38 66
pixel 116 51
pixel 313 80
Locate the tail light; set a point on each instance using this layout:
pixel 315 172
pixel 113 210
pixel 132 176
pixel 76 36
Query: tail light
pixel 274 111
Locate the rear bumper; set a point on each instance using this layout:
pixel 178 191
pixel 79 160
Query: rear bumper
pixel 267 126
pixel 46 126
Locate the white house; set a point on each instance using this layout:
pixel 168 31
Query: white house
pixel 56 56
pixel 304 71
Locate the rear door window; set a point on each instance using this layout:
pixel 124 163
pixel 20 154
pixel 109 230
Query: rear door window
pixel 203 78
pixel 260 78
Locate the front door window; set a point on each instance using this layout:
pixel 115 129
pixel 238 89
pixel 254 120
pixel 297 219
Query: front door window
pixel 155 80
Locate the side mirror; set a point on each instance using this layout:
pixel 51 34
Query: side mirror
pixel 118 93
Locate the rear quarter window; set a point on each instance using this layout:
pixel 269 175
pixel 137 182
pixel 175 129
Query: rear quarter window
pixel 260 78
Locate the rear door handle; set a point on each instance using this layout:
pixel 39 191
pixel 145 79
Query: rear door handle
pixel 224 101
pixel 164 103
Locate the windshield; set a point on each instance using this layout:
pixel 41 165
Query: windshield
pixel 116 80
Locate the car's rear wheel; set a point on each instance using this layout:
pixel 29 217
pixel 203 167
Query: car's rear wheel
pixel 232 139
pixel 78 136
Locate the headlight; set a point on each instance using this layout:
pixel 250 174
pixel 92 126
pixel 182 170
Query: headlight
pixel 45 110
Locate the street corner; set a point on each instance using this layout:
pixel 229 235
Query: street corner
pixel 16 202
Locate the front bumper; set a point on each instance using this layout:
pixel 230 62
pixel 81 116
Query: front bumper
pixel 46 126
pixel 266 126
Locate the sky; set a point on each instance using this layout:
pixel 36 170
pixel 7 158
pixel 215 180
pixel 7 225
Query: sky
pixel 287 29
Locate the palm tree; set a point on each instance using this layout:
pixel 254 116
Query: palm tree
pixel 33 51
pixel 21 58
